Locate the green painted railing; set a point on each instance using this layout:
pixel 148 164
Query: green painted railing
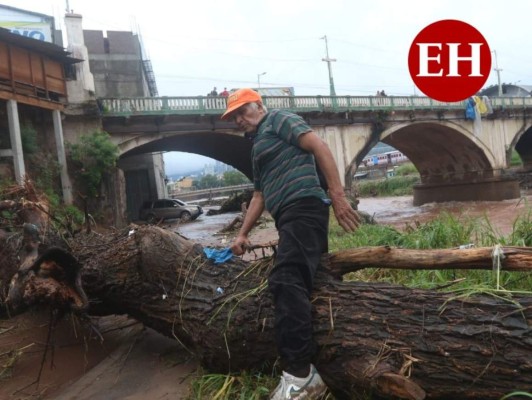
pixel 216 105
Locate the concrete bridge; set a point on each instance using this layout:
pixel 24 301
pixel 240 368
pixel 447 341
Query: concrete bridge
pixel 458 159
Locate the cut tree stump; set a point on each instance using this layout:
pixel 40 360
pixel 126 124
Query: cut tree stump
pixel 391 340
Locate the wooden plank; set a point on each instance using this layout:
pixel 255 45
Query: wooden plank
pixel 32 101
pixel 4 62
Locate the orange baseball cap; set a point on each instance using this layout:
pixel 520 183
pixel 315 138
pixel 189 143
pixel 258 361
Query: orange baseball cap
pixel 239 98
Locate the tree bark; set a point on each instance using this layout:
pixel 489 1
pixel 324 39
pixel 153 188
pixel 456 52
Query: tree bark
pixel 388 339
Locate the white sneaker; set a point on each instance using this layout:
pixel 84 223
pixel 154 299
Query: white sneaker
pixel 293 388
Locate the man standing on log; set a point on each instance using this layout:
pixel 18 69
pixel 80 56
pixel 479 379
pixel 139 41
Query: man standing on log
pixel 288 161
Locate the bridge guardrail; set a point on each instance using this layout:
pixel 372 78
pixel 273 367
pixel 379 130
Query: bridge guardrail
pixel 216 105
pixel 212 192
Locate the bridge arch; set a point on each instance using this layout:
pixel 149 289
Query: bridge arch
pixel 228 147
pixel 453 163
pixel 442 151
pixel 522 143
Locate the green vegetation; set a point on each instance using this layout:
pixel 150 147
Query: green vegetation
pixel 394 186
pixel 401 184
pixel 95 154
pixel 244 386
pixel 237 386
pixel 207 182
pixel 445 231
pixel 230 178
pixel 43 175
pixel 28 138
pixel 406 169
pixel 522 230
pixel 515 160
pixel 46 172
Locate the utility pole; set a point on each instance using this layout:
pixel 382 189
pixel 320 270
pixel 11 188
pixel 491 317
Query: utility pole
pixel 498 70
pixel 328 60
pixel 258 78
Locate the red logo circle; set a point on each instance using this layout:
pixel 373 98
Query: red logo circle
pixel 449 60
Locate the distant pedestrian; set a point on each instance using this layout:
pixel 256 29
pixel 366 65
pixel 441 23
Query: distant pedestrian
pixel 213 92
pixel 225 93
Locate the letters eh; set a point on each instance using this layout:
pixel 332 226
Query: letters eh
pixel 424 59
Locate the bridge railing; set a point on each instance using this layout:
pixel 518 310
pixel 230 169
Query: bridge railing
pixel 216 105
pixel 513 102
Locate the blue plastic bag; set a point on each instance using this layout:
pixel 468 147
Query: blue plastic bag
pixel 218 255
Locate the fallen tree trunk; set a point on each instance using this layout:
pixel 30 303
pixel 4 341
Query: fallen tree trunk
pixel 391 340
pixel 509 258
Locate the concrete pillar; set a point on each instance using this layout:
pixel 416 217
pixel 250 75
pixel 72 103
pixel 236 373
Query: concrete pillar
pixel 61 157
pixel 16 142
pixel 81 89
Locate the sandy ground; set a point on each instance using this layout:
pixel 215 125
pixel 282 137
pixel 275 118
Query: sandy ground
pixel 130 363
pixel 135 363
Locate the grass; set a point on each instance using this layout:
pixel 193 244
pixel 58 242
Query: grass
pixel 244 386
pixel 9 359
pixel 394 186
pixel 445 231
pixel 406 169
pixel 522 230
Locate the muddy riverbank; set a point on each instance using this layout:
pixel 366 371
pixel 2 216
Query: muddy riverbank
pixel 395 211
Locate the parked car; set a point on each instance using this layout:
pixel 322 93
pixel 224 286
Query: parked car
pixel 156 210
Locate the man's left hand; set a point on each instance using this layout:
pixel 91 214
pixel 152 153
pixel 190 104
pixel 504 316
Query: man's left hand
pixel 348 218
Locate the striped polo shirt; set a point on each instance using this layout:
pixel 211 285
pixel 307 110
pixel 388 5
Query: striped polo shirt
pixel 282 170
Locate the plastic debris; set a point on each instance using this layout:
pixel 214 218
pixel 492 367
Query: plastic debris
pixel 218 255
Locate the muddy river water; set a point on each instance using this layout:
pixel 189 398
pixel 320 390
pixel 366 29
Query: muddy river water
pixel 394 211
pixel 398 211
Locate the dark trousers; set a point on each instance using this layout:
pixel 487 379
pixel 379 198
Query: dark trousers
pixel 303 233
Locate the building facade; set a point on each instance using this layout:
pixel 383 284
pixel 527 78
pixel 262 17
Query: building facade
pixel 33 95
pixel 38 75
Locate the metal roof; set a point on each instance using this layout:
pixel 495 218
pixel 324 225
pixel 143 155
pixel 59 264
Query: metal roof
pixel 49 49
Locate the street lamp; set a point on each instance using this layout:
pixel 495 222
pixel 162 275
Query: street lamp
pixel 258 77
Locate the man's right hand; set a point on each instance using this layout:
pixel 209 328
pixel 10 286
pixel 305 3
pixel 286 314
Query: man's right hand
pixel 240 245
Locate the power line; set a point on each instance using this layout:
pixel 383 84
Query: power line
pixel 345 88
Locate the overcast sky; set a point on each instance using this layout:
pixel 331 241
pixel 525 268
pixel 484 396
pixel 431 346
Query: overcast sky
pixel 196 45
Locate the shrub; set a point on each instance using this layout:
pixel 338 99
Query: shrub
pixel 95 154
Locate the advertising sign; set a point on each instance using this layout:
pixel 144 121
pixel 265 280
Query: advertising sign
pixel 33 30
pixel 27 23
